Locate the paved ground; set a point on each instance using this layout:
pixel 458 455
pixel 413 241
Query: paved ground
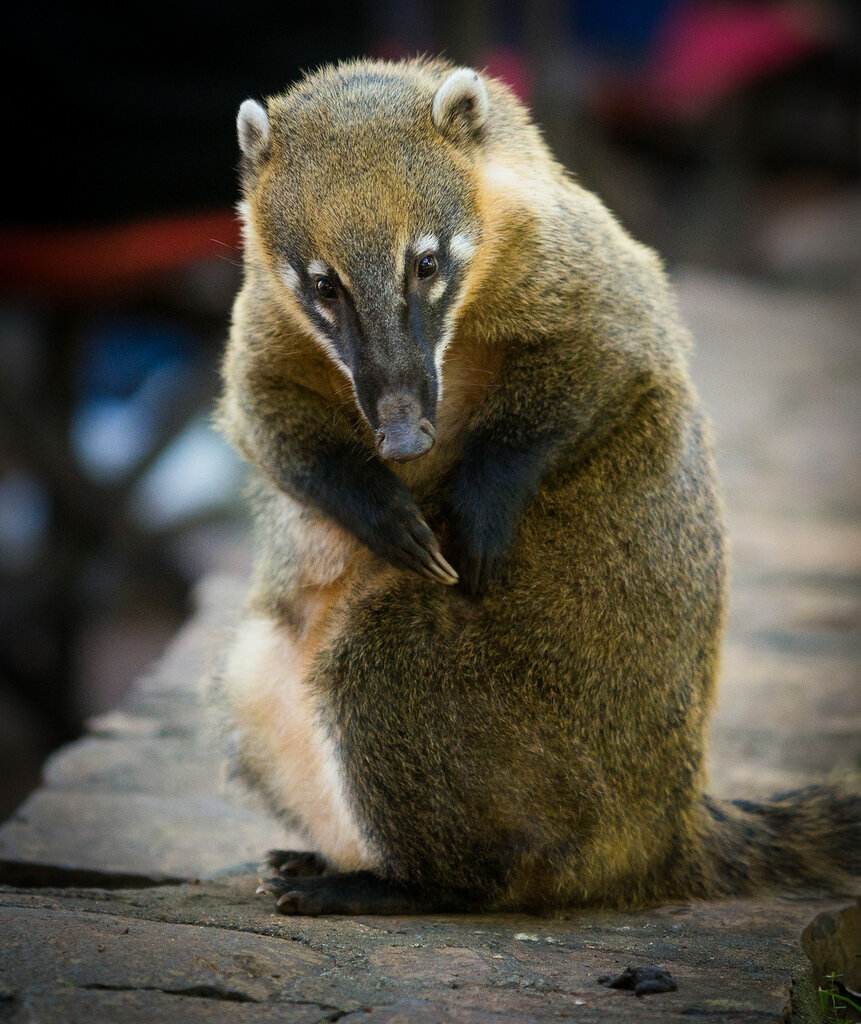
pixel 120 904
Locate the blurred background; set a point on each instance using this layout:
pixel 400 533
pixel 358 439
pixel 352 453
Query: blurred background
pixel 725 134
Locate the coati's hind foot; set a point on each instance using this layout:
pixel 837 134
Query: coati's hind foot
pixel 350 892
pixel 294 863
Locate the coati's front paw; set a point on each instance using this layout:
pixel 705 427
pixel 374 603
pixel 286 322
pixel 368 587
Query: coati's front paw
pixel 295 863
pixel 482 542
pixel 349 892
pixel 295 899
pixel 404 539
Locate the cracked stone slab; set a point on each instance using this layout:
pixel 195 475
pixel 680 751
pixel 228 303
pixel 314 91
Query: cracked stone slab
pixel 194 951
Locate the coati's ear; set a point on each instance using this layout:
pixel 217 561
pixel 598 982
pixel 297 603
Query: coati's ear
pixel 252 126
pixel 460 106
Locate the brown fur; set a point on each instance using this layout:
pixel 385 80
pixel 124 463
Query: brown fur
pixel 538 743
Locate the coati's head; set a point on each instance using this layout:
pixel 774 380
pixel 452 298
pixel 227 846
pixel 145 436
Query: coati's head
pixel 360 205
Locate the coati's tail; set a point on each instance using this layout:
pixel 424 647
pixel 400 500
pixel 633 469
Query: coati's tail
pixel 806 838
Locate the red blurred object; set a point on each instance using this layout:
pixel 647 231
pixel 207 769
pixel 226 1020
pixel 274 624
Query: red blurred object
pixel 89 261
pixel 711 50
pixel 705 52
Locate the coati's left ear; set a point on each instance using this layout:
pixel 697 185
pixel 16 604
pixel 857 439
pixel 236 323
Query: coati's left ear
pixel 252 127
pixel 460 106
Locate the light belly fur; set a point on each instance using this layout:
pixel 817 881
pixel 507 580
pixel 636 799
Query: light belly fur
pixel 281 737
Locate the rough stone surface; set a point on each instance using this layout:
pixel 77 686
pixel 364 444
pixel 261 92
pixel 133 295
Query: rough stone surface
pixel 832 941
pixel 145 792
pixel 194 950
pixel 135 827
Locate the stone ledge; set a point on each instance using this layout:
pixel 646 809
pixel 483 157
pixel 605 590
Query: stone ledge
pixel 192 952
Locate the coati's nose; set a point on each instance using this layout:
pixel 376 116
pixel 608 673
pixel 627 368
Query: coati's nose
pixel 403 433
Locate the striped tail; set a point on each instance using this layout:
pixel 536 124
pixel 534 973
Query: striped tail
pixel 804 839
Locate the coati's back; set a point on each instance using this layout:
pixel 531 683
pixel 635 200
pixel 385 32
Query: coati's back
pixel 485 625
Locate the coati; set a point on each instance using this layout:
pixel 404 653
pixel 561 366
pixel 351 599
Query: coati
pixel 484 627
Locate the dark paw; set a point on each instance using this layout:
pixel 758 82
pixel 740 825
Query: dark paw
pixel 352 892
pixel 402 537
pixel 479 569
pixel 307 897
pixel 291 895
pixel 295 863
pixel 301 903
pixel 645 981
pixel 482 544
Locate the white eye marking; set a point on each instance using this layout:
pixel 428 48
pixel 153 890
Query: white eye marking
pixel 425 244
pixel 461 247
pixel 437 289
pixel 317 268
pixel 446 337
pixel 290 278
pixel 330 350
pixel 325 312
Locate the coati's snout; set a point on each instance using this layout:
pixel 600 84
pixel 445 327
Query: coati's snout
pixel 404 433
pixel 396 389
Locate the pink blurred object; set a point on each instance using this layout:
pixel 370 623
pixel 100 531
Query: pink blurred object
pixel 510 67
pixel 707 51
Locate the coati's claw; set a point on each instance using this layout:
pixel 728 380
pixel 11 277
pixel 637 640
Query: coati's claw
pixel 444 571
pixel 438 569
pixel 289 903
pixel 294 895
pixel 274 885
pixel 424 553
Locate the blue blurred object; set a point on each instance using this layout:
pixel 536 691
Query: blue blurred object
pixel 134 375
pixel 619 29
pixel 199 471
pixel 120 352
pixel 130 373
pixel 25 518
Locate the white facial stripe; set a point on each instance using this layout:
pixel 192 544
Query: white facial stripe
pixel 439 354
pixel 290 278
pixel 426 243
pixel 461 247
pixel 445 339
pixel 330 350
pixel 325 312
pixel 317 268
pixel 435 292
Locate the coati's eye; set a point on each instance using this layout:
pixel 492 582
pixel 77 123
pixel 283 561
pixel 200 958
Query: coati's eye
pixel 325 289
pixel 427 267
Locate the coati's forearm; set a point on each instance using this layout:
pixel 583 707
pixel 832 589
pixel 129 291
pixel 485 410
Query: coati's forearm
pixel 294 437
pixel 520 434
pixel 492 486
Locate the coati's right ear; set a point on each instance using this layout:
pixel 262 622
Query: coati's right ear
pixel 461 105
pixel 252 126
